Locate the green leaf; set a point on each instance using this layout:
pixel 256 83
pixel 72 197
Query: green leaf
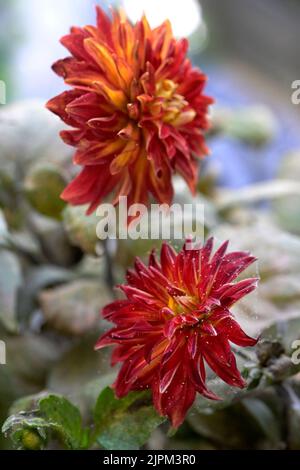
pixel 80 228
pixel 18 428
pixel 51 415
pixel 43 185
pixel 223 427
pixel 124 424
pixel 265 419
pixel 65 419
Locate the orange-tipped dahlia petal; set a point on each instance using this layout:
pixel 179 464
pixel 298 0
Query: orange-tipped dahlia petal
pixel 131 83
pixel 174 320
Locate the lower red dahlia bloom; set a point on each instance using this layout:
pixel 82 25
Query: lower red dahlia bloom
pixel 176 317
pixel 136 107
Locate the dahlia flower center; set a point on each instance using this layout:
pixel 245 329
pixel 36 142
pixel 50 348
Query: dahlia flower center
pixel 176 110
pixel 190 318
pixel 174 306
pixel 185 304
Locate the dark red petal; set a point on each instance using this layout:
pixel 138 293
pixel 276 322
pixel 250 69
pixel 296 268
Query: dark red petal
pixel 74 43
pixel 104 25
pixel 232 330
pixel 197 376
pixel 167 259
pixel 179 410
pixel 233 264
pixel 232 293
pixel 58 105
pixel 90 186
pixel 221 360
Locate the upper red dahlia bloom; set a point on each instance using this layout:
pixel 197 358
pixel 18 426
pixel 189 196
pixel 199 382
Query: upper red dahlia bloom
pixel 175 318
pixel 137 108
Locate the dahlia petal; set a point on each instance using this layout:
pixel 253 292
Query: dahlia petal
pixel 236 291
pixel 104 25
pixel 106 61
pixel 138 294
pixel 76 72
pixel 139 176
pixel 72 137
pixel 167 259
pixel 209 279
pixel 166 378
pixel 124 187
pixel 174 291
pixel 104 341
pixel 148 349
pixel 197 375
pixel 116 97
pixel 153 262
pixel 95 153
pixel 81 185
pixel 184 118
pixel 105 123
pixel 172 325
pixel 177 398
pixel 58 105
pixel 177 322
pixel 229 328
pixel 134 279
pixel 218 257
pixel 208 329
pixel 122 352
pixel 160 184
pixel 193 344
pixel 129 133
pixel 206 252
pixel 128 154
pixel 233 264
pixel 114 307
pixel 74 43
pixel 90 185
pixel 221 360
pixel 86 107
pixel 178 412
pixel 188 171
pixel 148 79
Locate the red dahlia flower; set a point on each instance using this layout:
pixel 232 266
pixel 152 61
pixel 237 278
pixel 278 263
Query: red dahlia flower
pixel 177 317
pixel 136 107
